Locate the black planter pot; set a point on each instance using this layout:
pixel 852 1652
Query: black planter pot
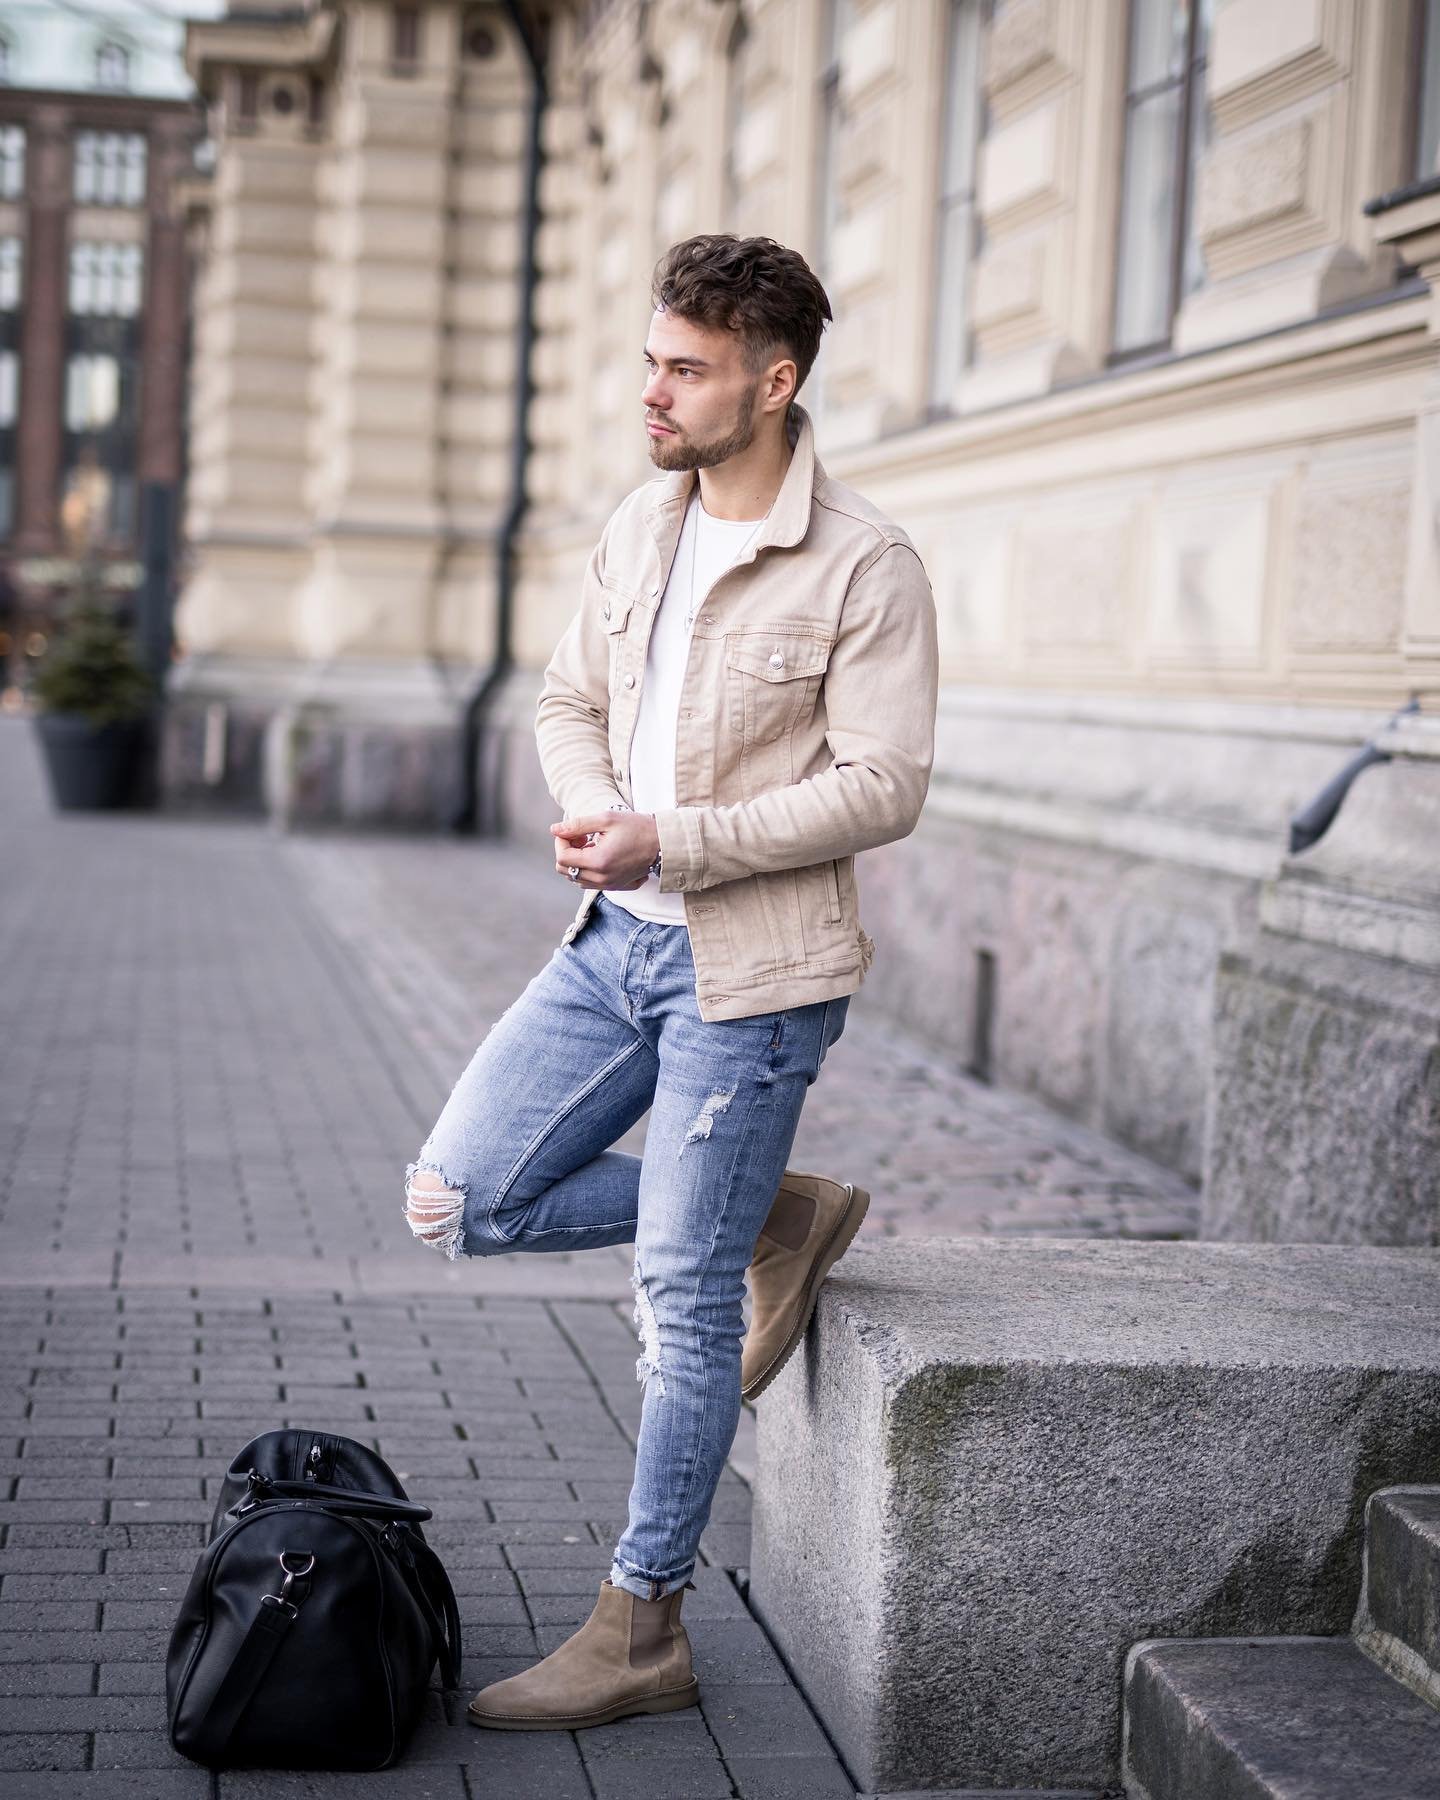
pixel 90 766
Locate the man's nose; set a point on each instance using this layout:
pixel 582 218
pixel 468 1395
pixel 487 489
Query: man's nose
pixel 653 394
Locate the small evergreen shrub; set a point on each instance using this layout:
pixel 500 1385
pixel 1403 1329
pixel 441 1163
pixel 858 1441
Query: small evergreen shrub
pixel 91 668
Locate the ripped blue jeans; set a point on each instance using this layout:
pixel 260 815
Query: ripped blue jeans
pixel 608 1028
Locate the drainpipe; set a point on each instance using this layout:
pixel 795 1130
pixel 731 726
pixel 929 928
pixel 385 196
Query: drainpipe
pixel 469 813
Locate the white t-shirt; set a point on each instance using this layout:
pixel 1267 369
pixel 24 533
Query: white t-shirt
pixel 713 544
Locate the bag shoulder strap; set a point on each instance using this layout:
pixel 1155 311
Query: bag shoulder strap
pixel 273 1618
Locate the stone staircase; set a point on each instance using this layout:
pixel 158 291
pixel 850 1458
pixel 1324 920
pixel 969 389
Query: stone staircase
pixel 1305 1718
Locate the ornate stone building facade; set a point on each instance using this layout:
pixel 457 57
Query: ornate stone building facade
pixel 1119 339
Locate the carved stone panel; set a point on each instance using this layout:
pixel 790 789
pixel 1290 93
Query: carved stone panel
pixel 1350 550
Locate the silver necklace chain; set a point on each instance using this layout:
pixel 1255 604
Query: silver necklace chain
pixel 695 551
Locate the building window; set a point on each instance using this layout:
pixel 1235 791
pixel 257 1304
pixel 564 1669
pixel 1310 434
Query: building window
pixel 109 168
pixel 112 66
pixel 738 60
pixel 101 413
pixel 404 37
pixel 92 393
pixel 7 59
pixel 955 227
pixel 9 388
pixel 247 97
pixel 105 280
pixel 837 18
pixel 1167 127
pixel 1427 99
pixel 12 162
pixel 838 15
pixel 12 266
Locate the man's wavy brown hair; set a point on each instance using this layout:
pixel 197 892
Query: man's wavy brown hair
pixel 753 286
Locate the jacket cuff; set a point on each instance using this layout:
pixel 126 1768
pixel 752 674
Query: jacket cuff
pixel 682 854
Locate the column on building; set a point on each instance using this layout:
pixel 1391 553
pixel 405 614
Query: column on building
pixel 163 324
pixel 39 434
pixel 247 521
pixel 354 410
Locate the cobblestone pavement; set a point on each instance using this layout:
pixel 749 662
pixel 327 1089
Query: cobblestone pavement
pixel 220 1047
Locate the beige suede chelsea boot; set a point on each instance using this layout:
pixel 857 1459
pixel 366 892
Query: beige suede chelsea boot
pixel 630 1656
pixel 809 1229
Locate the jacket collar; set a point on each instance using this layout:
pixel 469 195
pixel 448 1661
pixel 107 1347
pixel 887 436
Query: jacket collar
pixel 789 517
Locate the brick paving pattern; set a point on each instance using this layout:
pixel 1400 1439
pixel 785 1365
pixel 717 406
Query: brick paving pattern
pixel 219 1049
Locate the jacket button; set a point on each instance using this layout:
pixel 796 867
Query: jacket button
pixel 777 661
pixel 607 609
pixel 679 881
pixel 629 681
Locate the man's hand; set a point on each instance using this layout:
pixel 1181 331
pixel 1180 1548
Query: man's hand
pixel 623 848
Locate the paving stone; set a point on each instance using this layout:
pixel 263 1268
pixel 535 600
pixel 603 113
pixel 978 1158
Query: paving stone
pixel 795 1778
pixel 41 1750
pixel 46 1678
pixel 745 1717
pixel 684 1778
pixel 110 1784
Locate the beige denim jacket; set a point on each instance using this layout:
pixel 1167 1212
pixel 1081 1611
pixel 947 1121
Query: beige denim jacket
pixel 806 728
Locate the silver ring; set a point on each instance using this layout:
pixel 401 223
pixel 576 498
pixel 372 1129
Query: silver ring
pixel 575 873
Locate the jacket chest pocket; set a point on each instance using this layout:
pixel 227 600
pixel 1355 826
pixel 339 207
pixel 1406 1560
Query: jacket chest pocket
pixel 771 679
pixel 614 616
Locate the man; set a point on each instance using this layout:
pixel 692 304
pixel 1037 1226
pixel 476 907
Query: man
pixel 745 699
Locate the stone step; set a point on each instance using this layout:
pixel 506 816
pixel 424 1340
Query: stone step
pixel 1398 1619
pixel 1273 1719
pixel 994 1465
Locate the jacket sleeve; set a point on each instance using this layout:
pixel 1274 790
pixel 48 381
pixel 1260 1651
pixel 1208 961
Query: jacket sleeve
pixel 572 715
pixel 880 688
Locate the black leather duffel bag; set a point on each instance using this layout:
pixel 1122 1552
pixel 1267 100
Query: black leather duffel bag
pixel 315 1615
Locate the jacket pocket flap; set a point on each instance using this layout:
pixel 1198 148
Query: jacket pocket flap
pixel 615 607
pixel 778 658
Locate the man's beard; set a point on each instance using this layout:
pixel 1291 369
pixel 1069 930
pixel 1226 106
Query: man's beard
pixel 676 453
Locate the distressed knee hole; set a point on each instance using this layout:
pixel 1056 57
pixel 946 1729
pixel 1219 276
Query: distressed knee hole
pixel 647 1364
pixel 435 1210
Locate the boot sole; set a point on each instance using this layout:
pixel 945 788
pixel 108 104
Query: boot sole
pixel 669 1700
pixel 835 1246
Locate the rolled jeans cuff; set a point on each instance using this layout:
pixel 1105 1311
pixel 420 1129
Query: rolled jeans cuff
pixel 643 1586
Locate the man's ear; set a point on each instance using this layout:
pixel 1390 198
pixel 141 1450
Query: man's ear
pixel 780 389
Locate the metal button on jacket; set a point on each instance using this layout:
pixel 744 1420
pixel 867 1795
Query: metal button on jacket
pixel 629 681
pixel 777 661
pixel 607 609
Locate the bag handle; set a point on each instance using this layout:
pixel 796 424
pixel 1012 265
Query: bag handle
pixel 439 1596
pixel 347 1499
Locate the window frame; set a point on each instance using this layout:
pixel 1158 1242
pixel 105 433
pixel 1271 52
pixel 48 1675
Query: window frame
pixel 1190 81
pixel 940 402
